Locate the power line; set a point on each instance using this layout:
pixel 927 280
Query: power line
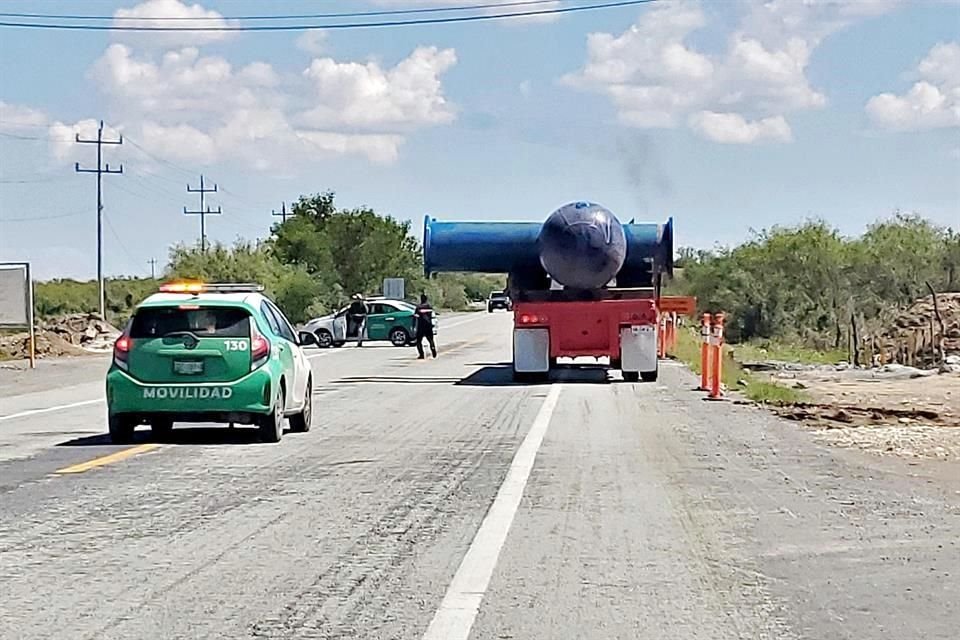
pixel 122 246
pixel 293 16
pixel 203 213
pixel 58 216
pixel 100 170
pixel 333 26
pixel 159 159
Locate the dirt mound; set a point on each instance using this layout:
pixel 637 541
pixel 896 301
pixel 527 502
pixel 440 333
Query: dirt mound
pixel 85 330
pixel 913 335
pixel 73 335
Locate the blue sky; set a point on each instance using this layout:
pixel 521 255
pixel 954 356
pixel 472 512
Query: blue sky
pixel 725 115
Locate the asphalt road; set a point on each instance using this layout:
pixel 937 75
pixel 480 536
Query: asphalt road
pixel 437 500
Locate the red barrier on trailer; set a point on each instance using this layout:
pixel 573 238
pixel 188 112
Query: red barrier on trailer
pixel 589 328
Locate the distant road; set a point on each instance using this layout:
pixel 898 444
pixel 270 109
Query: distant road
pixel 438 500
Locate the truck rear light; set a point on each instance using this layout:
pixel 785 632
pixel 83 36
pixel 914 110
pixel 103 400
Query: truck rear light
pixel 533 318
pixel 121 351
pixel 259 347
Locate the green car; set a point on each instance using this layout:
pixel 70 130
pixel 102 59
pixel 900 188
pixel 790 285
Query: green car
pixel 388 320
pixel 209 353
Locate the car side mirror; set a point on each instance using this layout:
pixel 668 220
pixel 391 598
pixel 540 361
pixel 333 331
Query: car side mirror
pixel 307 338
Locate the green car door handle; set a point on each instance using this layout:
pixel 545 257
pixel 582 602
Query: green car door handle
pixel 389 319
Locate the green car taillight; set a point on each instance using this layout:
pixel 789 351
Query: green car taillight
pixel 121 351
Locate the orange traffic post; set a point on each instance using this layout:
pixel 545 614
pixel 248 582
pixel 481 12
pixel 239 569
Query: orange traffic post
pixel 717 345
pixel 705 353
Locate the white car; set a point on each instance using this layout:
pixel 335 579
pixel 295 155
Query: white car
pixel 388 319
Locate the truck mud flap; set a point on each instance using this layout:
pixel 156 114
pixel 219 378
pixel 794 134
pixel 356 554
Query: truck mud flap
pixel 531 350
pixel 638 348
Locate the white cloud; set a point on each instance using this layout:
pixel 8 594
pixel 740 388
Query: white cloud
pixel 380 148
pixel 262 117
pixel 182 82
pixel 732 128
pixel 17 117
pixel 367 96
pixel 178 143
pixel 657 79
pixel 64 147
pixel 933 102
pixel 170 14
pixel 313 42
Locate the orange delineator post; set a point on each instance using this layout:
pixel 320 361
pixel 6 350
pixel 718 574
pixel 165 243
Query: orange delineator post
pixel 705 353
pixel 717 355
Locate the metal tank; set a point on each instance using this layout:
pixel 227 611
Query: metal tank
pixel 581 245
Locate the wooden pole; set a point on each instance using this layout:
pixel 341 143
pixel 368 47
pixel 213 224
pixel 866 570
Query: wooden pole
pixel 939 350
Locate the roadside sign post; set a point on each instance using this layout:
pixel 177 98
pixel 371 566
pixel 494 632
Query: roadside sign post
pixel 16 302
pixel 393 288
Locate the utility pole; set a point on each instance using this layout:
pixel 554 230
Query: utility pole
pixel 203 213
pixel 283 213
pixel 153 268
pixel 100 170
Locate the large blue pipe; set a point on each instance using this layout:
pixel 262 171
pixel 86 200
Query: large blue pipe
pixel 579 242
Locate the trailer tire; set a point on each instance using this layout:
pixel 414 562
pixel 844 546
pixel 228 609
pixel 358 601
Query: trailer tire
pixel 631 376
pixel 649 376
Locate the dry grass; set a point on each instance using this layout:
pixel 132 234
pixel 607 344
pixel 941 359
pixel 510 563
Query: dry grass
pixel 733 375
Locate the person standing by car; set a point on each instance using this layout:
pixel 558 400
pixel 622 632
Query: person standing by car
pixel 423 315
pixel 357 314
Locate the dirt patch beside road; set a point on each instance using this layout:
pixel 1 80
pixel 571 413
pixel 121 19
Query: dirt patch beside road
pixel 891 410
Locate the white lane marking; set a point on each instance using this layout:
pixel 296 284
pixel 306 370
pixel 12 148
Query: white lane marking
pixel 459 608
pixel 328 352
pixel 58 407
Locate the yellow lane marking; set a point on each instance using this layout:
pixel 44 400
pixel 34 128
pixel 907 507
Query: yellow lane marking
pixel 464 345
pixel 105 460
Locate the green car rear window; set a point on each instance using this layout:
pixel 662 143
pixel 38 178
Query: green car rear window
pixel 209 322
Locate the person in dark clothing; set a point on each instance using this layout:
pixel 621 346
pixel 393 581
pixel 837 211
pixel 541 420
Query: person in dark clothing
pixel 424 319
pixel 357 314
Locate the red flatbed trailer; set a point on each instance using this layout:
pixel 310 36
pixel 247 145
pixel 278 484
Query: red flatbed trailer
pixel 623 326
pixel 620 324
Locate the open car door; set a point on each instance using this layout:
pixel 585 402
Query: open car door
pixel 340 326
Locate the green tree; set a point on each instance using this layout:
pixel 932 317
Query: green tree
pixel 357 247
pixel 804 283
pixel 297 291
